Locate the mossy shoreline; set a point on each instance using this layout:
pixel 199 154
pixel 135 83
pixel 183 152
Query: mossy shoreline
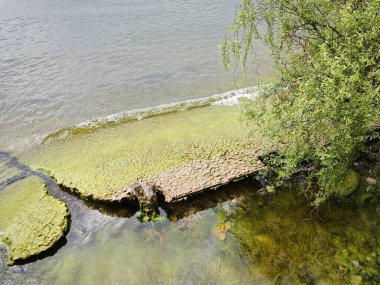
pixel 183 153
pixel 206 147
pixel 146 113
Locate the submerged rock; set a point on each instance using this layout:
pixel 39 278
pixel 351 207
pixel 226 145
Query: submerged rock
pixel 370 181
pixel 349 184
pixel 145 193
pixel 356 280
pixel 221 230
pixel 31 221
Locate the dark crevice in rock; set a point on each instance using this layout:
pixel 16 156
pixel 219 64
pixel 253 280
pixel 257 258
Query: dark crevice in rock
pixel 208 199
pixel 124 208
pixel 13 179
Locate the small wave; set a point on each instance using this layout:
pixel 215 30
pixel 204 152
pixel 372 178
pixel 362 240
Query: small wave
pixel 236 98
pixel 228 98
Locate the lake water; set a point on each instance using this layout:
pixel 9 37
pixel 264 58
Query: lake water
pixel 64 62
pixel 234 236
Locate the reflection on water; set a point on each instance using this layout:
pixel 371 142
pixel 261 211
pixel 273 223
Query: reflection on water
pixel 236 237
pixel 290 242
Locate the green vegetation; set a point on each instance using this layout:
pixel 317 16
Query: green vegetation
pixel 321 113
pixel 31 221
pixel 100 164
pixel 103 123
pixel 288 244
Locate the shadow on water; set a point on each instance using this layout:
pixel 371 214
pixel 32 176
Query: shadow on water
pixel 235 235
pixel 209 199
pixel 290 243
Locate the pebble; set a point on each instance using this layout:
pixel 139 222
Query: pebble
pixel 355 263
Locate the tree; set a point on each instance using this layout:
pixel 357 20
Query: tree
pixel 327 100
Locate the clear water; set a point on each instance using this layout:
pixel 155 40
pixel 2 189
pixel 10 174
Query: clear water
pixel 236 236
pixel 64 62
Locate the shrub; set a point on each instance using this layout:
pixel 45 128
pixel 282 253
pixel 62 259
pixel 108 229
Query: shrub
pixel 327 54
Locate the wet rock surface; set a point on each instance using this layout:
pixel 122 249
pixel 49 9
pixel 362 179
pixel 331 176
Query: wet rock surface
pixel 145 193
pixel 183 153
pixel 200 176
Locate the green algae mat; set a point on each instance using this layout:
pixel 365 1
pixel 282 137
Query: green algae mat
pixel 182 152
pixel 31 221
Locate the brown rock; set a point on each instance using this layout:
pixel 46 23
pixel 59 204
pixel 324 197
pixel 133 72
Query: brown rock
pixel 370 180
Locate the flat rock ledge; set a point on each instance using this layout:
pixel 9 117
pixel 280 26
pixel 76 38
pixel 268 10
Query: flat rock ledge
pixel 177 184
pixel 200 176
pixel 177 154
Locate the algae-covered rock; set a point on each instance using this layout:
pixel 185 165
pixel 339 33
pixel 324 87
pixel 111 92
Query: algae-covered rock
pixel 349 184
pixel 31 221
pixel 356 280
pixel 184 152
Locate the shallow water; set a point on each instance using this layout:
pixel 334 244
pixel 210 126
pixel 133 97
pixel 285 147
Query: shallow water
pixel 64 62
pixel 235 237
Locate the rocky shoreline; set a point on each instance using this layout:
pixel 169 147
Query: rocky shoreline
pixel 175 155
pixel 180 153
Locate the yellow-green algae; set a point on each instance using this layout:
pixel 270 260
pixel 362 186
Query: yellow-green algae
pixel 121 118
pixel 100 164
pixel 349 184
pixel 253 239
pixel 31 221
pixel 291 243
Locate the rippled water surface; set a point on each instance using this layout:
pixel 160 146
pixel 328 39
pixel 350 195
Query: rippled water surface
pixel 63 62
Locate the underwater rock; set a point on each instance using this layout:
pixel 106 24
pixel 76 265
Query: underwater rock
pixel 31 221
pixel 363 197
pixel 349 184
pixel 370 180
pixel 355 263
pixel 221 230
pixel 356 280
pixel 145 193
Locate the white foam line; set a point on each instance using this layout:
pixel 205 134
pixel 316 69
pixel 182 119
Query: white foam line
pixel 228 98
